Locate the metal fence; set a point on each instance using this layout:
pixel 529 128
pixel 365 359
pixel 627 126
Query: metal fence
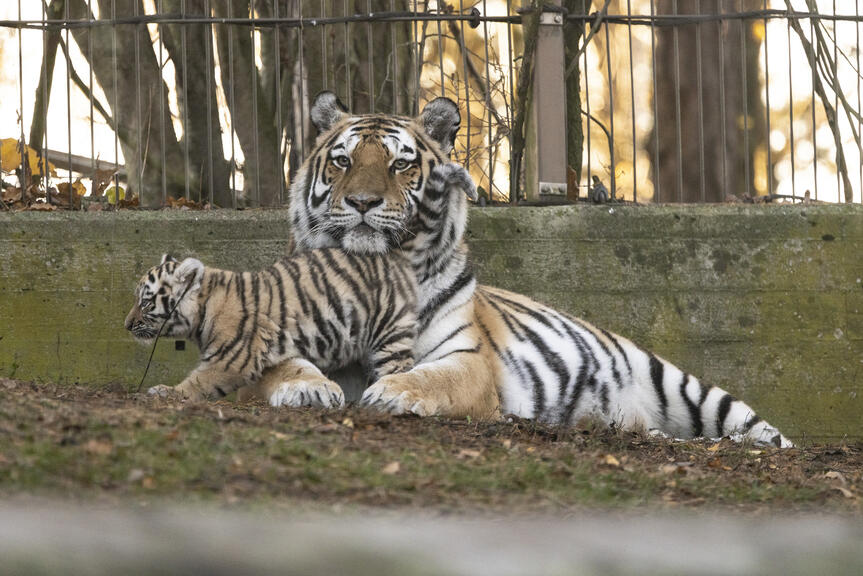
pixel 206 102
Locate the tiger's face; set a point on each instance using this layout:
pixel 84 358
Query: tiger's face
pixel 166 300
pixel 363 184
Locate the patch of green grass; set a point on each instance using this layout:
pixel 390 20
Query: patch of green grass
pixel 78 443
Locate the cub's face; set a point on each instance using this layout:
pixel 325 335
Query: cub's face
pixel 363 184
pixel 157 295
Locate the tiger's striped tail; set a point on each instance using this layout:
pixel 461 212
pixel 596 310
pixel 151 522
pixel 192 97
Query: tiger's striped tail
pixel 683 407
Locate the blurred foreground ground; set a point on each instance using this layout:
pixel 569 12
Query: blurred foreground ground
pixel 45 539
pixel 114 447
pixel 106 482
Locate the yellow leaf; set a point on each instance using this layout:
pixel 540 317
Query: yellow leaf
pixel 610 460
pixel 79 188
pixel 111 194
pixel 391 468
pixel 10 158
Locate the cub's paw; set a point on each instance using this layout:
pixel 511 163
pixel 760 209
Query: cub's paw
pixel 395 394
pixel 163 391
pixel 320 393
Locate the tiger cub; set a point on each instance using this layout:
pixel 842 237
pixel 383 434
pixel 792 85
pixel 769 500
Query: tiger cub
pixel 315 311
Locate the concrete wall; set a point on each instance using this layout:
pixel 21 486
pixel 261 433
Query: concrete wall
pixel 764 301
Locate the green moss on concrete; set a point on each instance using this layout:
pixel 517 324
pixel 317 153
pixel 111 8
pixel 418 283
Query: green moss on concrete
pixel 765 301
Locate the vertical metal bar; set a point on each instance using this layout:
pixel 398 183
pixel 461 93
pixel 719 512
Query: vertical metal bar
pixel 440 45
pixel 162 107
pixel 186 138
pixel 489 105
pixel 791 114
pixel 371 49
pixel 395 60
pixel 44 143
pixel 859 108
pixel 418 61
pixel 230 29
pixel 302 87
pixel 140 151
pixel 611 110
pixel 677 121
pixel 767 93
pixel 466 80
pixel 657 183
pixel 254 103
pixel 208 45
pixel 699 86
pixel 632 100
pixel 587 96
pixel 68 105
pixel 115 111
pixel 722 116
pixel 814 44
pixel 745 87
pixel 24 160
pixel 323 41
pixel 277 31
pixel 350 89
pixel 513 185
pixel 836 95
pixel 90 71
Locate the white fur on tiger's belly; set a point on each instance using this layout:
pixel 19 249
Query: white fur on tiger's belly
pixel 320 393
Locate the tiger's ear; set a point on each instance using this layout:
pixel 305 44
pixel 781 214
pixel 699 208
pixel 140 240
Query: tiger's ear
pixel 441 119
pixel 190 272
pixel 327 111
pixel 167 258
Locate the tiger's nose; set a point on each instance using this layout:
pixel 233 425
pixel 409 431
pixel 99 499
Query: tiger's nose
pixel 363 204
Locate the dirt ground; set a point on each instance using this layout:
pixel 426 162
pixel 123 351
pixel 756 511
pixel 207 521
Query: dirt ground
pixel 80 443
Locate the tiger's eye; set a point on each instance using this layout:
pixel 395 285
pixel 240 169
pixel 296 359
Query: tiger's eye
pixel 342 161
pixel 401 164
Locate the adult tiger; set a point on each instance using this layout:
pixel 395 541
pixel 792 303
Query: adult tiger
pixel 480 351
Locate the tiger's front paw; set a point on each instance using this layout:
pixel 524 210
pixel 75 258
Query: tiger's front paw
pixel 396 394
pixel 162 391
pixel 319 392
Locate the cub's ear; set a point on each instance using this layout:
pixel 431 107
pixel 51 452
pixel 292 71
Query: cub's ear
pixel 327 111
pixel 190 272
pixel 167 258
pixel 441 119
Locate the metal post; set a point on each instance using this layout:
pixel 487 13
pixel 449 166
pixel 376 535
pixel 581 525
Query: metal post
pixel 545 154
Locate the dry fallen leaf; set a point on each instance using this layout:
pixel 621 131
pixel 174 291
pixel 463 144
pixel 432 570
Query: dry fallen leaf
pixel 713 448
pixel 468 454
pixel 391 468
pixel 834 475
pixel 348 423
pixel 610 460
pixel 676 468
pixel 845 491
pixel 507 443
pixel 98 447
pixel 148 483
pixel 135 476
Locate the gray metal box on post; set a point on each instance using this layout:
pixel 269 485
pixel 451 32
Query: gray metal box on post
pixel 545 142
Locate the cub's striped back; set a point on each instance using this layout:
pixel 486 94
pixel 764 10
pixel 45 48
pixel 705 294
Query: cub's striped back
pixel 322 307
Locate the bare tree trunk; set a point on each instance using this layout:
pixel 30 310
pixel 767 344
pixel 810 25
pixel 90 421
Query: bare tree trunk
pixel 196 86
pixel 251 112
pixel 573 31
pixel 712 124
pixel 140 111
pixel 43 90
